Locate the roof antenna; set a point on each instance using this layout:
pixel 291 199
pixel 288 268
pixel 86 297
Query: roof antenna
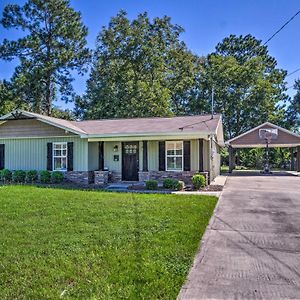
pixel 212 102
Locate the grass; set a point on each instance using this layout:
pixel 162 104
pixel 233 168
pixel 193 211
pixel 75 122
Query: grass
pixel 72 244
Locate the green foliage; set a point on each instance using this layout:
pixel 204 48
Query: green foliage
pixel 151 185
pixel 7 101
pixel 169 183
pixel 173 184
pixel 293 110
pixel 125 239
pixel 199 181
pixel 57 177
pixel 6 175
pixel 255 158
pixel 140 69
pixel 248 87
pixel 19 176
pixel 45 176
pixel 32 176
pixel 54 44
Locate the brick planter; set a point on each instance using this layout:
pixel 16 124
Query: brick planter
pixel 100 178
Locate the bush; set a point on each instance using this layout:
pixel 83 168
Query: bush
pixel 199 181
pixel 6 175
pixel 57 177
pixel 173 184
pixel 180 185
pixel 45 176
pixel 32 176
pixel 169 183
pixel 19 176
pixel 151 185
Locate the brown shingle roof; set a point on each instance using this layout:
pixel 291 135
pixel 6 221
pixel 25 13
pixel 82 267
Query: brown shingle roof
pixel 137 126
pixel 188 124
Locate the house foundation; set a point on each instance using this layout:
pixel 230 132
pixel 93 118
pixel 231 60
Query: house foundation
pixel 185 176
pixel 80 177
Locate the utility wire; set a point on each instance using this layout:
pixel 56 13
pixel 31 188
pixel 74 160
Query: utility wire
pixel 293 72
pixel 285 24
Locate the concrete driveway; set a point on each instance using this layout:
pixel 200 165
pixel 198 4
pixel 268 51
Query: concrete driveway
pixel 251 249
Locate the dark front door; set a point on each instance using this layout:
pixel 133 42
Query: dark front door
pixel 130 161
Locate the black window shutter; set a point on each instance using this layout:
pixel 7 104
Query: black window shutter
pixel 2 156
pixel 187 155
pixel 70 156
pixel 49 156
pixel 162 156
pixel 145 156
pixel 201 155
pixel 101 156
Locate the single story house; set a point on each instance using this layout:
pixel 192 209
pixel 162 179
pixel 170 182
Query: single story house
pixel 99 151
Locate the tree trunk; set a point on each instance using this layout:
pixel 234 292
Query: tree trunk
pixel 49 95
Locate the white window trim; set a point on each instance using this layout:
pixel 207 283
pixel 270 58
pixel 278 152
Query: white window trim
pixel 166 156
pixel 55 156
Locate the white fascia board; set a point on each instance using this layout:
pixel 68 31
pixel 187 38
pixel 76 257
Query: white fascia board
pixel 149 137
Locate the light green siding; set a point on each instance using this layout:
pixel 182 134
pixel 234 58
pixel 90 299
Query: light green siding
pixel 153 155
pixel 93 159
pixel 206 154
pixel 141 149
pixel 31 153
pixel 194 155
pixel 109 156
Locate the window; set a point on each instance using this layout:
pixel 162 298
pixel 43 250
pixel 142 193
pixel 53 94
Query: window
pixel 174 156
pixel 59 156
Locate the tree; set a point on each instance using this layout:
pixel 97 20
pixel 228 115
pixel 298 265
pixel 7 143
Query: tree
pixel 140 69
pixel 53 46
pixel 8 101
pixel 293 110
pixel 248 87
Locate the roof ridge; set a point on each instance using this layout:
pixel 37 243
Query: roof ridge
pixel 145 118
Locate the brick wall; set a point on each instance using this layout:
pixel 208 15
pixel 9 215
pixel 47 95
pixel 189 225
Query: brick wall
pixel 185 176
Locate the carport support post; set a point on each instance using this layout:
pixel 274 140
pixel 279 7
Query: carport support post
pixel 298 159
pixel 292 160
pixel 231 159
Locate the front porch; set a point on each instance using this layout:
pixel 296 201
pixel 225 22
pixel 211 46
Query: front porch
pixel 118 161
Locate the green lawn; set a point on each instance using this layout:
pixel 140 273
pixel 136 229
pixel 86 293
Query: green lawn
pixel 95 245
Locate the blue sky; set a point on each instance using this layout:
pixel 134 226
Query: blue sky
pixel 205 22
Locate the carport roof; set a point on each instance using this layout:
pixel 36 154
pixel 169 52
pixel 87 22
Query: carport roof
pixel 250 138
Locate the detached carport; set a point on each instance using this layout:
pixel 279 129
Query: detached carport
pixel 253 139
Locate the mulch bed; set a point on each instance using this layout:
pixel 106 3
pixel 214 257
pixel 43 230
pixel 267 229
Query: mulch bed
pixel 209 188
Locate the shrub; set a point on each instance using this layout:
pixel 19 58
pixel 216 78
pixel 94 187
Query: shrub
pixel 151 185
pixel 32 176
pixel 179 185
pixel 45 176
pixel 19 176
pixel 6 175
pixel 199 181
pixel 169 183
pixel 57 177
